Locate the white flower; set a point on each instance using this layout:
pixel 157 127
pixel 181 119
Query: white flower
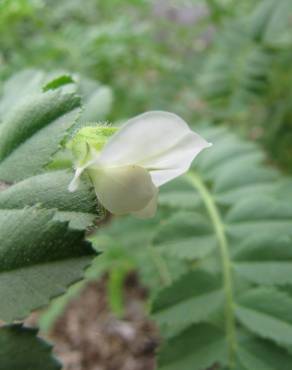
pixel 148 151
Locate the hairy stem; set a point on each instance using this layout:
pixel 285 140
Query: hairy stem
pixel 218 225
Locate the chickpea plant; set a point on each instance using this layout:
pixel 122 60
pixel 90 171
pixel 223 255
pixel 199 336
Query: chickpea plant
pixel 44 215
pixel 215 253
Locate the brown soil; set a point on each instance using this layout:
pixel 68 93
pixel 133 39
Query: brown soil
pixel 89 337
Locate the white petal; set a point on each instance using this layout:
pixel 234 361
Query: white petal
pixel 160 141
pixel 150 210
pixel 178 159
pixel 124 189
pixel 73 186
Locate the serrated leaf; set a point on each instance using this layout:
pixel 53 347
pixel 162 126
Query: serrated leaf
pixel 262 355
pixel 265 259
pixel 50 191
pixel 267 312
pixel 267 215
pixel 265 208
pixel 186 235
pixel 18 87
pixel 33 131
pixel 197 348
pixel 21 348
pixel 191 299
pixel 229 149
pixel 242 176
pixel 39 258
pixel 182 199
pixel 267 273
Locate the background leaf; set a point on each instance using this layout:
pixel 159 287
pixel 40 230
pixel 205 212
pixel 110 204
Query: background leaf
pixel 198 347
pixel 20 348
pixel 233 239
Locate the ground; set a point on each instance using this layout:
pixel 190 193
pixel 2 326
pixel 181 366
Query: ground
pixel 89 337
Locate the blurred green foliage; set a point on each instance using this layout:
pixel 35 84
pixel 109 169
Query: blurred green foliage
pixel 112 42
pixel 225 62
pixel 221 60
pixel 247 79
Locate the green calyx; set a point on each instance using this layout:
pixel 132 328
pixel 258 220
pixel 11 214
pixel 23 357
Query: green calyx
pixel 88 140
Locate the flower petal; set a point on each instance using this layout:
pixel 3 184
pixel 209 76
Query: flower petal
pixel 123 189
pixel 89 160
pixel 161 142
pixel 178 159
pixel 73 186
pixel 150 210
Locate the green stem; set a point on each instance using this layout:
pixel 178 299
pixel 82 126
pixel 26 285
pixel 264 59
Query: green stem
pixel 160 265
pixel 218 225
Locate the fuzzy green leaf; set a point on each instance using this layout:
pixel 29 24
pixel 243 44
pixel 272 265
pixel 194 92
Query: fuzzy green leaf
pixel 33 132
pixel 50 191
pixel 39 258
pixel 20 348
